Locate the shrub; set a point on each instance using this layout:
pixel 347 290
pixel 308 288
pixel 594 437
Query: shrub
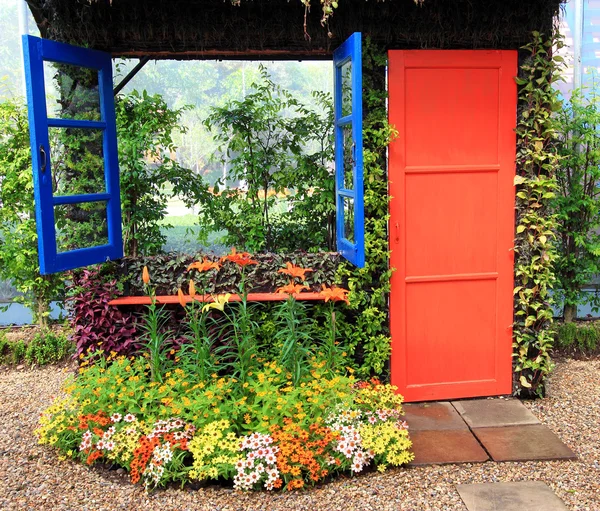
pixel 11 352
pixel 97 326
pixel 48 347
pixel 578 338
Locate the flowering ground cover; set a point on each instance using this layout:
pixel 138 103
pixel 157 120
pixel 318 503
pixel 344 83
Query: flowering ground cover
pixel 218 406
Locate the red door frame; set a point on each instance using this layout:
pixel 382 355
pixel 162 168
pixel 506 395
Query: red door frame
pixel 431 373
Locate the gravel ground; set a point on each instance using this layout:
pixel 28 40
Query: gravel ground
pixel 32 477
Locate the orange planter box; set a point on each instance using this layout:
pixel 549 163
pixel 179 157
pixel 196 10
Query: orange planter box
pixel 252 297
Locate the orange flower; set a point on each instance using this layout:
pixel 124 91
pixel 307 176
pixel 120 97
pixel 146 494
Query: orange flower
pixel 291 288
pixel 145 275
pixel 295 271
pixel 335 294
pixel 240 258
pixel 192 288
pixel 181 297
pixel 204 265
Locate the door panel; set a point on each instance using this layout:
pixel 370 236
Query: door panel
pixel 451 173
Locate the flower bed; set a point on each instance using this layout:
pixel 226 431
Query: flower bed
pixel 216 403
pixel 264 433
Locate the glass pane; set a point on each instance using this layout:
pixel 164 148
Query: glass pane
pixel 81 225
pixel 348 219
pixel 71 92
pixel 348 157
pixel 77 162
pixel 346 70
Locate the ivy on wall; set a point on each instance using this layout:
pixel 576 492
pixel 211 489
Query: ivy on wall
pixel 535 182
pixel 366 328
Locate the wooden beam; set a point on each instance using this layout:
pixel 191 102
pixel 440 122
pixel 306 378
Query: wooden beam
pixel 315 54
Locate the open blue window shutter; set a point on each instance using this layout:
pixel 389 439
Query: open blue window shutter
pixel 350 216
pixel 105 202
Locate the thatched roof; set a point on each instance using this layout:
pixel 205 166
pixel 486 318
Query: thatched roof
pixel 276 28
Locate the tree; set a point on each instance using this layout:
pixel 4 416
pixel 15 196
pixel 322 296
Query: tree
pixel 578 200
pixel 18 236
pixel 279 190
pixel 149 176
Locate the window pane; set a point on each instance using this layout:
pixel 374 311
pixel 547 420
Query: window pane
pixel 349 162
pixel 348 219
pixel 71 92
pixel 81 225
pixel 346 70
pixel 77 161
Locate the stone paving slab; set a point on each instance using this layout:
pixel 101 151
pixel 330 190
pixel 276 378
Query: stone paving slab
pixel 521 496
pixel 486 413
pixel 432 416
pixel 523 443
pixel 446 446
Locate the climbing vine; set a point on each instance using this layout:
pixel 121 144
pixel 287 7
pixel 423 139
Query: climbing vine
pixel 535 182
pixel 366 329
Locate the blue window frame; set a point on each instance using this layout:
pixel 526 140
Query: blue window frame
pixel 53 258
pixel 350 216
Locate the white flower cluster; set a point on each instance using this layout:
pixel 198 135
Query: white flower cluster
pixel 348 423
pixel 163 453
pixel 86 441
pixel 166 426
pixel 153 474
pixel 104 444
pixel 259 465
pixel 350 445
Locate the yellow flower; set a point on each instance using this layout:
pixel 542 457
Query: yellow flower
pixel 218 303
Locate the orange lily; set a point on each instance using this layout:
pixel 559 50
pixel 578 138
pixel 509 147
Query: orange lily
pixel 335 294
pixel 181 296
pixel 291 288
pixel 240 258
pixel 192 289
pixel 295 271
pixel 145 275
pixel 204 265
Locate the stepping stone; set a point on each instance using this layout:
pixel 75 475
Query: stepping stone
pixel 446 446
pixel 526 495
pixel 523 443
pixel 486 413
pixel 432 416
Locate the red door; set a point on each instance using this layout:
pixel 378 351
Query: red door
pixel 451 173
